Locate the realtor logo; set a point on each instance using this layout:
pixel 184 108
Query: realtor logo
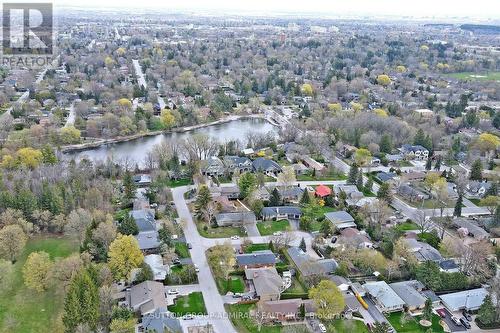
pixel 27 28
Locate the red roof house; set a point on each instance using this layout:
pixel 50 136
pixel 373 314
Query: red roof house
pixel 323 191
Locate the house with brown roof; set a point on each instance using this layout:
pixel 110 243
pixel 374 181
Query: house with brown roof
pixel 267 283
pixel 285 309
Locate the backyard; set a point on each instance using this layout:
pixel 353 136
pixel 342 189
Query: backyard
pixel 181 249
pixel 256 247
pixel 219 232
pixel 244 323
pixel 411 325
pixel 23 310
pixel 268 228
pixel 234 284
pixel 343 325
pixel 189 304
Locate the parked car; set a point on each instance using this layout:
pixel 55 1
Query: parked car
pixel 173 291
pixel 235 237
pixel 188 317
pixel 322 328
pixel 456 320
pixel 277 233
pixel 465 322
pixel 189 246
pixel 467 315
pixel 196 268
pixel 441 313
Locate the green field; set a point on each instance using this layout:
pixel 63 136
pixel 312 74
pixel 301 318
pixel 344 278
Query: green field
pixel 269 227
pixel 256 247
pixel 244 323
pixel 26 311
pixel 220 232
pixel 406 226
pixel 177 183
pixel 412 325
pixel 491 76
pixel 181 249
pixel 343 325
pixel 189 304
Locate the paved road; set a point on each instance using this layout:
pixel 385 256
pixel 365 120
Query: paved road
pixel 70 121
pixel 140 75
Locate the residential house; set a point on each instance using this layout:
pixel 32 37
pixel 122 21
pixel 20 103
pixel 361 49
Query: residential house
pixel 281 212
pixel 351 191
pixel 235 219
pixel 223 204
pixel 422 251
pixel 308 266
pixel 300 169
pixel 231 192
pixel 142 180
pixel 469 300
pixel 148 233
pixel 340 220
pixel 361 202
pixel 237 164
pixel 409 292
pixel 414 152
pixel 262 193
pixel 266 166
pixel 266 281
pixel 291 194
pixel 411 194
pixel 323 191
pixel 468 227
pixel 213 167
pixel 384 296
pixel 146 297
pixel 283 310
pixel 476 189
pixel 386 176
pixel 160 321
pixel 313 164
pixel 256 259
pixel 341 282
pixel 354 238
pixel 155 262
pixel 448 266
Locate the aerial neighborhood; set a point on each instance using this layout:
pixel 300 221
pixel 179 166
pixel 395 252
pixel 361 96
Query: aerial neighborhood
pixel 207 173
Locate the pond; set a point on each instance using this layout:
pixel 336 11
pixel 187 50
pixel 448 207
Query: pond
pixel 135 151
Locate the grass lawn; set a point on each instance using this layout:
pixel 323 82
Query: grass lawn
pixel 296 288
pixel 491 76
pixel 320 212
pixel 181 249
pixel 412 325
pixel 189 304
pixel 244 323
pixel 406 226
pixel 256 247
pixel 333 176
pixel 343 325
pixel 26 311
pixel 475 201
pixel 220 232
pixel 177 183
pixel 233 284
pixel 269 227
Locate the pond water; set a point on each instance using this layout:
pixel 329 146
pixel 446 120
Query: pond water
pixel 136 150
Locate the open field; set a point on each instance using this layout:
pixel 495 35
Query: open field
pixel 491 76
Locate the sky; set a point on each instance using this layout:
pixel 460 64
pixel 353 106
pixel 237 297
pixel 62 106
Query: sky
pixel 416 8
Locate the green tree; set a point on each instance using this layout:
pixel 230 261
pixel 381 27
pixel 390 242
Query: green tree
pixel 124 255
pixel 381 327
pixel 353 174
pixel 419 137
pixel 305 199
pixel 128 185
pixel 476 172
pixel 275 198
pixel 202 201
pixel 384 193
pixel 458 206
pixel 81 305
pixel 12 242
pixel 487 312
pixel 302 244
pixel 328 299
pixel 385 144
pixel 428 164
pixel 128 226
pixel 369 185
pixel 326 228
pixel 145 274
pixel 48 155
pixel 36 271
pixel 123 326
pixel 427 313
pixel 247 184
pixel 359 181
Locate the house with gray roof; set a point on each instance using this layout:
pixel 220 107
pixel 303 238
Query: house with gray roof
pixel 476 189
pixel 213 167
pixel 386 176
pixel 235 218
pixel 471 228
pixel 422 251
pixel 147 297
pixel 266 166
pixel 144 218
pixel 414 152
pixel 384 296
pixel 237 164
pixel 290 193
pixel 411 194
pixel 308 266
pixel 340 219
pixel 281 212
pixel 256 259
pixel 267 283
pixel 408 292
pixel 161 321
pixel 469 300
pixel 148 235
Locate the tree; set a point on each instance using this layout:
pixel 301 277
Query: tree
pixel 326 228
pixel 381 327
pixel 385 144
pixel 124 255
pixel 36 271
pixel 362 157
pixel 247 184
pixel 437 166
pixel 29 157
pixel 328 299
pixel 458 206
pixel 476 172
pixel 427 313
pixel 491 202
pixel 384 193
pixel 353 174
pixel 275 198
pixel 428 164
pixel 487 312
pixel 305 199
pixel 302 244
pixel 221 259
pixel 70 135
pixel 359 181
pixel 487 142
pixel 287 177
pixel 122 325
pixel 65 269
pixel 369 185
pixel 128 185
pixel 145 274
pixel 419 138
pixel 81 306
pixel 307 89
pixel 12 242
pixel 167 119
pixel 383 80
pixel 128 226
pixel 202 201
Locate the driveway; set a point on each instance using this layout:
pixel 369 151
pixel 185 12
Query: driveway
pixel 451 324
pixel 252 230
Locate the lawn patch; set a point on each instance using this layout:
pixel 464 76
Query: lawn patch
pixel 181 249
pixel 256 247
pixel 189 304
pixel 269 227
pixel 411 325
pixel 343 325
pixel 234 284
pixel 219 232
pixel 244 323
pixel 406 226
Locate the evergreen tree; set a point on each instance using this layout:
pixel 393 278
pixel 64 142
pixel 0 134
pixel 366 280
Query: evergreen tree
pixel 487 313
pixel 369 185
pixel 326 228
pixel 384 193
pixel 128 226
pixel 275 199
pixel 476 172
pixel 128 185
pixel 427 309
pixel 81 305
pixel 438 163
pixel 202 200
pixel 305 199
pixel 496 217
pixel 385 144
pixel 493 190
pixel 458 206
pixel 428 164
pixel 359 182
pixel 48 155
pixel 419 138
pixel 302 245
pixel 353 174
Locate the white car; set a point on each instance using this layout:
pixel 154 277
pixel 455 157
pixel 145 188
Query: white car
pixel 277 233
pixel 322 328
pixel 173 291
pixel 188 317
pixel 235 237
pixel 196 268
